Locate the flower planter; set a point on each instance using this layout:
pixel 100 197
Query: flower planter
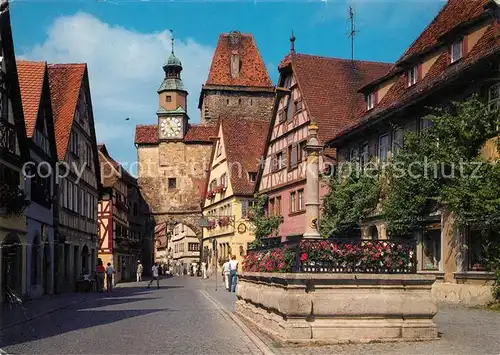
pixel 338 308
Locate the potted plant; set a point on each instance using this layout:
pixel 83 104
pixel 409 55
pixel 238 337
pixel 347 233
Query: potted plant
pixel 223 221
pixel 13 200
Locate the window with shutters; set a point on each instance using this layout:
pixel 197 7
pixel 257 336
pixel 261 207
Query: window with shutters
pixel 302 151
pixel 278 206
pixel 271 207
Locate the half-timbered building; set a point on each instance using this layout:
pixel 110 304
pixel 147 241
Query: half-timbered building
pixel 310 89
pixel 14 152
pixel 78 163
pixel 457 55
pixel 35 93
pixel 118 243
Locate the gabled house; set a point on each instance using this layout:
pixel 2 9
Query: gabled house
pixel 35 93
pixel 234 165
pixel 14 153
pixel 119 244
pixel 79 173
pixel 310 89
pixel 458 54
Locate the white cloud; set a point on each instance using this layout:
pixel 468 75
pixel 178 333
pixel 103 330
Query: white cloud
pixel 125 70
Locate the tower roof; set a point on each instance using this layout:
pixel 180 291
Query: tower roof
pixel 172 80
pixel 252 71
pixel 172 61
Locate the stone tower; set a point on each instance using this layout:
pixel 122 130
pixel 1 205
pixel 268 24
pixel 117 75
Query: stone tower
pixel 173 155
pixel 238 82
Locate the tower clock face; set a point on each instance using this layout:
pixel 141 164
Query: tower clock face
pixel 171 127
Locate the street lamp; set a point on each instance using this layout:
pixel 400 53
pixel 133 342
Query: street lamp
pixel 214 248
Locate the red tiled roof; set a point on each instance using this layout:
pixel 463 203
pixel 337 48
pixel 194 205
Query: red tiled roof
pixel 148 134
pixel 253 71
pixel 31 76
pixel 453 13
pixel 439 73
pixel 329 88
pixel 244 141
pixel 200 133
pixel 65 81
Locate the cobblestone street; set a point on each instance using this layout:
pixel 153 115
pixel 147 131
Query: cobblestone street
pixel 185 317
pixel 176 319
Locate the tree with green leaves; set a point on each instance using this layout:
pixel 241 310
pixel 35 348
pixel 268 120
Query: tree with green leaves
pixel 263 226
pixel 353 195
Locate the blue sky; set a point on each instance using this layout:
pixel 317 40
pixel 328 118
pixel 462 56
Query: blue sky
pixel 126 42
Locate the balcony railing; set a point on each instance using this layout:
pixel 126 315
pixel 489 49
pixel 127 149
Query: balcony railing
pixel 335 256
pixel 7 137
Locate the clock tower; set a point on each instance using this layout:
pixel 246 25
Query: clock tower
pixel 172 111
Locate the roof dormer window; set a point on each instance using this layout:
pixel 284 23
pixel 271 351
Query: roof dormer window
pixel 370 100
pixel 412 76
pixel 456 51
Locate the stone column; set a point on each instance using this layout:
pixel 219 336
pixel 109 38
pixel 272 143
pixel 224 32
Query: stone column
pixel 313 148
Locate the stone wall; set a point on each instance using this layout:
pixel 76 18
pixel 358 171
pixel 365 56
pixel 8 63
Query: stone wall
pixel 218 103
pixel 338 308
pixel 187 163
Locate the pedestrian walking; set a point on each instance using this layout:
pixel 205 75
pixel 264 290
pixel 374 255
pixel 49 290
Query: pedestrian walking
pixel 225 273
pixel 156 276
pixel 100 271
pixel 204 270
pixel 139 271
pixel 109 277
pixel 233 278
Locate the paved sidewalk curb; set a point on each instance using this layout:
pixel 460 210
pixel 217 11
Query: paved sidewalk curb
pixel 29 319
pixel 255 339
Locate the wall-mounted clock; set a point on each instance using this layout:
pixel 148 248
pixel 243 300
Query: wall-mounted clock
pixel 242 228
pixel 171 127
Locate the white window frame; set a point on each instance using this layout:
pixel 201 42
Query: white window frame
pixel 387 147
pixel 460 46
pixel 395 145
pixel 412 76
pixel 492 102
pixel 370 100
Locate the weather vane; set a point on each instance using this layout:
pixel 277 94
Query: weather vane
pixel 172 39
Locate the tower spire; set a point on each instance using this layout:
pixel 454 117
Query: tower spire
pixel 172 39
pixel 292 43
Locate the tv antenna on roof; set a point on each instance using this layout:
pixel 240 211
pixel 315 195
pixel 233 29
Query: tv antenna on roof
pixel 353 31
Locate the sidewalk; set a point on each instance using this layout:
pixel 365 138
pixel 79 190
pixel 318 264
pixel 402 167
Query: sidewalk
pixel 14 314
